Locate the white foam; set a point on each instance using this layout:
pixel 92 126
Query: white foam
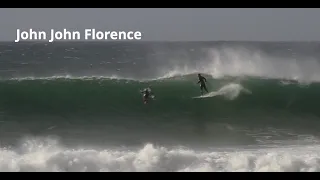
pixel 230 91
pixel 36 155
pixel 239 62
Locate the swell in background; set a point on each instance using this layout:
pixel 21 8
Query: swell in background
pixel 154 60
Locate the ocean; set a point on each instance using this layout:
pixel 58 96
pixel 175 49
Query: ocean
pixel 77 106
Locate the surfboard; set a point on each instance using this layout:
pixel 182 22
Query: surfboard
pixel 199 97
pixel 206 95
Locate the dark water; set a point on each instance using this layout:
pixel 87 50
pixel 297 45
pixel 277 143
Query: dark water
pixel 174 96
pixel 63 96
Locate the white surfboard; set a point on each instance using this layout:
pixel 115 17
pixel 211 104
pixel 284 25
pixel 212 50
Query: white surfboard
pixel 207 95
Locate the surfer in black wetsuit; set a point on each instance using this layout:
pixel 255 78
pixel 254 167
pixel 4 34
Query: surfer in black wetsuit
pixel 202 81
pixel 146 93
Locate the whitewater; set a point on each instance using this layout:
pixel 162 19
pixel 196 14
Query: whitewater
pixel 77 106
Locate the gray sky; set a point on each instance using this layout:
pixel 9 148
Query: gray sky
pixel 173 24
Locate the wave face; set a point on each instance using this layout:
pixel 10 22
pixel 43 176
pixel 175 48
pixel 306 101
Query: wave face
pixel 178 96
pixel 77 106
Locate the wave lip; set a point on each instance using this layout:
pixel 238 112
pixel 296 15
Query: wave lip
pixel 239 61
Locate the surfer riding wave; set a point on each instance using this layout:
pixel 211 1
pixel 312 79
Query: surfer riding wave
pixel 202 81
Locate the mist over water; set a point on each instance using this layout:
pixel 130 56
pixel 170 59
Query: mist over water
pixel 77 106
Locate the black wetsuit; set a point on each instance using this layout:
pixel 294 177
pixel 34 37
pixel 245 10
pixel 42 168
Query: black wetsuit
pixel 202 81
pixel 146 94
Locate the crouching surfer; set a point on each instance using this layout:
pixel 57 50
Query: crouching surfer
pixel 146 95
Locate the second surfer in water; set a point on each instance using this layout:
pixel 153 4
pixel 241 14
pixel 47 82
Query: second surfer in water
pixel 146 93
pixel 202 81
